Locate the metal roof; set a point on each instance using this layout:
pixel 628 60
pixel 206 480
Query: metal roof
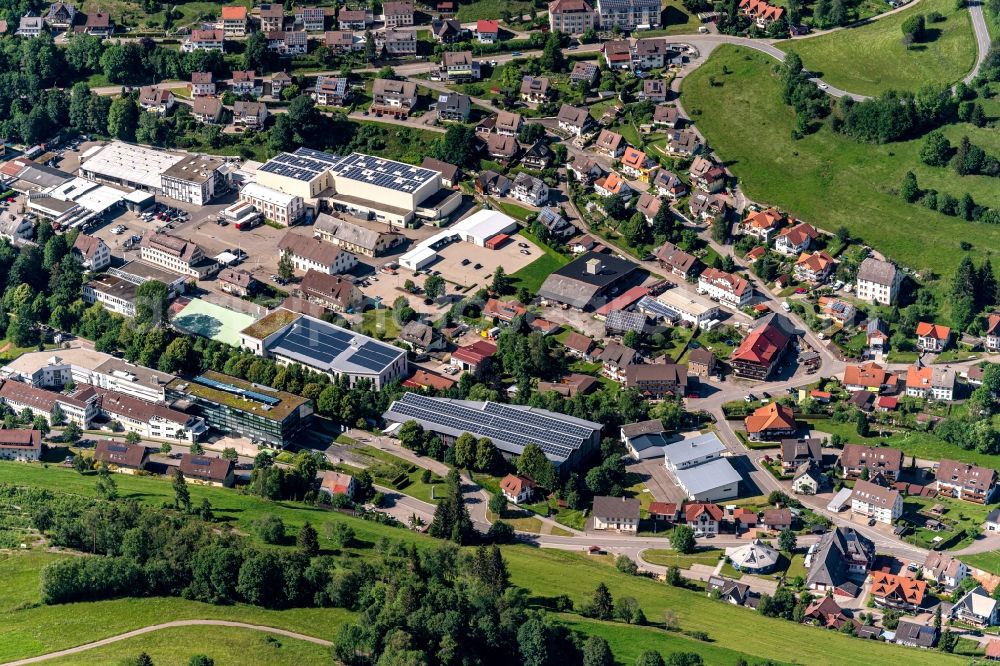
pixel 700 478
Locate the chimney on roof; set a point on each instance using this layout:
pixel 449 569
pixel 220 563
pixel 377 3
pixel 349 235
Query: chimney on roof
pixel 594 266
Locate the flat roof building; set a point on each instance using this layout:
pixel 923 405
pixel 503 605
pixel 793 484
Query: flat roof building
pixel 126 164
pixel 565 440
pixel 304 173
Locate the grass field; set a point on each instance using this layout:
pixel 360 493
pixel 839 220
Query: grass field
pixel 27 629
pixel 416 487
pixel 533 275
pixel 491 9
pixel 986 561
pixel 671 558
pixel 676 21
pixel 825 167
pixel 872 58
pixel 226 645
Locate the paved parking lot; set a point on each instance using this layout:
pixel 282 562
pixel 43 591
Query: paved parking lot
pixel 659 482
pixel 509 256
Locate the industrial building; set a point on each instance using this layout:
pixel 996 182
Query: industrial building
pixel 588 281
pixel 565 440
pixel 193 180
pixel 479 229
pixel 293 338
pixel 232 405
pixel 700 470
pixel 304 173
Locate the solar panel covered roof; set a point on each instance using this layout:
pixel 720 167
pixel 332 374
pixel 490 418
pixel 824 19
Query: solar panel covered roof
pixel 510 427
pixel 319 344
pixel 383 173
pixel 303 164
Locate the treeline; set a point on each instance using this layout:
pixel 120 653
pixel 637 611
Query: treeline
pixel 966 159
pixel 810 103
pixel 965 207
pixel 896 116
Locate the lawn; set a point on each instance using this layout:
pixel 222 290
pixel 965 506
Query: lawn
pixel 519 213
pixel 827 167
pixel 676 21
pixel 414 485
pixel 923 445
pixel 31 630
pixel 533 275
pixel 665 557
pixel 989 561
pixel 380 324
pixel 491 9
pixel 958 516
pixel 872 58
pixel 226 645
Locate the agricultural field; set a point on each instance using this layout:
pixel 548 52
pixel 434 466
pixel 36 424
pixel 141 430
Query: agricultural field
pixel 872 58
pixel 837 182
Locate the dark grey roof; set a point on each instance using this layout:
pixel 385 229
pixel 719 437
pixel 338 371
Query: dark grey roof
pixel 630 430
pixel 574 285
pixel 915 634
pixel 830 561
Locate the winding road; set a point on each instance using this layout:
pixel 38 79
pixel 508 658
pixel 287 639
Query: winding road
pixel 168 625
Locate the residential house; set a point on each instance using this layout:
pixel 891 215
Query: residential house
pixel 657 380
pixel 637 164
pixel 517 489
pixel 207 109
pixel 795 452
pixel 992 333
pixel 701 363
pixel 352 19
pixel 966 482
pixel 448 31
pixel 727 288
pixel 453 108
pixel 330 91
pixel 841 311
pixel 579 345
pixel 759 353
pixel 842 556
pixel 204 40
pixel 610 144
pixel 654 90
pixel 770 423
pixel 877 336
pixel 508 123
pixel 703 517
pixel 458 66
pixel 155 99
pixel 335 483
pixel 272 17
pixel 868 377
pixel 814 268
pixel 246 82
pixel 251 115
pixel 629 14
pixel 944 569
pixel 878 281
pixel 571 17
pixel 207 471
pixel 650 53
pixel 288 43
pixel 880 461
pixel 808 479
pixel 92 252
pixel 312 19
pixel 728 590
pixel 535 89
pixel 584 73
pixel 912 634
pixel 310 253
pixel 503 311
pixel 795 240
pixel 976 607
pixel 676 260
pixel 472 358
pixel 487 32
pixel 884 505
pixel 828 614
pixel 555 224
pixel 616 513
pixel 762 224
pixel 331 291
pixel 761 12
pixel 649 205
pixel 397 43
pixel 573 120
pixel 669 185
pixel 121 457
pixel 611 185
pixel 343 41
pixel 932 337
pixel 234 21
pixel 897 592
pixel 236 281
pixel 99 24
pixel 667 512
pixel 20 444
pixel 30 27
pixel 586 169
pixel 491 183
pixel 615 359
pixel 60 16
pixel 666 116
pixel 501 148
pixel 450 174
pixel 396 14
pixel 202 83
pixel 393 98
pixel 537 156
pixel 617 54
pixel 930 381
pixel 421 337
pixel 683 143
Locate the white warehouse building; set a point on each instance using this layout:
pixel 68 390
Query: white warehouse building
pixel 477 229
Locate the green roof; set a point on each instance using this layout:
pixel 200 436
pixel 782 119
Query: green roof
pixel 279 412
pixel 271 323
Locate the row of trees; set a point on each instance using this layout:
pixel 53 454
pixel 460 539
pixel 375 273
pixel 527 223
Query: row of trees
pixel 965 208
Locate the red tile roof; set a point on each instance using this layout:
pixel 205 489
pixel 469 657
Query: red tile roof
pixel 476 353
pixel 762 345
pixel 695 509
pixel 925 330
pixel 770 417
pixel 487 26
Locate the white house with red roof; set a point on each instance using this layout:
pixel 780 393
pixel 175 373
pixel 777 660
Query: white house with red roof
pixel 487 32
pixel 703 518
pixel 795 240
pixel 336 483
pixel 517 488
pixel 471 357
pixel 992 333
pixel 932 337
pixel 728 289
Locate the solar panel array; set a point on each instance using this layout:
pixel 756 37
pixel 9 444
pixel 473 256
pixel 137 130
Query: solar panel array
pixel 383 173
pixel 117 448
pixel 655 307
pixel 201 462
pixel 236 390
pixel 322 343
pixel 303 164
pixel 501 423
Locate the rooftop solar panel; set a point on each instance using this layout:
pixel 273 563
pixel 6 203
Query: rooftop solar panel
pixel 236 390
pixel 324 345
